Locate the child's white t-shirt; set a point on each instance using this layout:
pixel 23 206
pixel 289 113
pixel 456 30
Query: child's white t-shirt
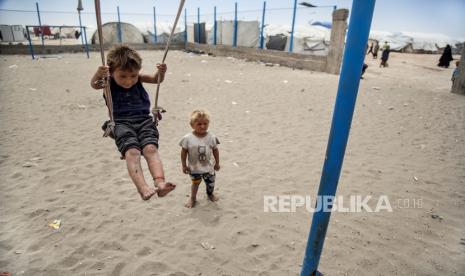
pixel 200 152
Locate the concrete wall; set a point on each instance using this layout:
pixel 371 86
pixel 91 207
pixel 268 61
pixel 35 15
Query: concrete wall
pixel 336 48
pixel 299 61
pixel 55 49
pixel 459 84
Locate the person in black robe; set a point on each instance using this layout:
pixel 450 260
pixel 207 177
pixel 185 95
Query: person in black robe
pixel 446 57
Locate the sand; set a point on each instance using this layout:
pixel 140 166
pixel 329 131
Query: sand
pixel 406 143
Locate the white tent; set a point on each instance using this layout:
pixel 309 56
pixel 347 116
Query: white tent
pixel 129 34
pixel 416 41
pixel 307 39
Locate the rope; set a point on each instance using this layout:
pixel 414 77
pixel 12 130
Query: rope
pixel 110 128
pixel 156 109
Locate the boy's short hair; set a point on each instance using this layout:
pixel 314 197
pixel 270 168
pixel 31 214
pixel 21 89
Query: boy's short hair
pixel 124 58
pixel 199 114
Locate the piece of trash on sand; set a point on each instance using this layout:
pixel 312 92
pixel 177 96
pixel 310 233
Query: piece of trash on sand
pixel 32 89
pixel 56 224
pixel 236 165
pixel 207 246
pixel 203 61
pixel 234 103
pixel 81 106
pixel 29 164
pixel 228 81
pixel 247 111
pixel 415 178
pixel 285 81
pixel 13 66
pixel 376 88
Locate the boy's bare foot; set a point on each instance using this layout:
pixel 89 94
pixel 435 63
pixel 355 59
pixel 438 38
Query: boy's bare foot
pixel 190 203
pixel 164 188
pixel 148 192
pixel 213 198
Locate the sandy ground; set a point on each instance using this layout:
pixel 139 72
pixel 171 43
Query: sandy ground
pixel 407 143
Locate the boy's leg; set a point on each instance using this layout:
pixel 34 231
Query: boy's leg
pixel 135 172
pixel 210 186
pixel 155 165
pixel 128 145
pixel 196 179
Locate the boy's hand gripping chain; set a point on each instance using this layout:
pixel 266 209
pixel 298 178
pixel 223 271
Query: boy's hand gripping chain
pixel 110 126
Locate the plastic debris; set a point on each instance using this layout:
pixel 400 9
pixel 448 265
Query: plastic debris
pixel 234 103
pixel 29 164
pixel 285 81
pixel 13 66
pixel 207 246
pixel 236 165
pixel 228 81
pixel 376 88
pixel 415 178
pixel 56 224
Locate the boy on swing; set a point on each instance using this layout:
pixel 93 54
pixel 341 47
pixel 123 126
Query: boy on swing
pixel 135 131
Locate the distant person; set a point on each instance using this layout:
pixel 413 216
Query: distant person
pixel 77 34
pixel 446 57
pixel 375 50
pixel 456 72
pixel 364 68
pixel 200 150
pixel 370 50
pixel 385 55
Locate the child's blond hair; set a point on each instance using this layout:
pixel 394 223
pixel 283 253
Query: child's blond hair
pixel 199 114
pixel 123 57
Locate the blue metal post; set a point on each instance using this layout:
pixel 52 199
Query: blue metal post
pixel 80 27
pixel 85 40
pixel 154 25
pixel 40 24
pixel 235 26
pixel 291 45
pixel 198 25
pixel 354 53
pixel 263 25
pixel 83 34
pixel 120 35
pixel 185 26
pixel 30 43
pixel 214 26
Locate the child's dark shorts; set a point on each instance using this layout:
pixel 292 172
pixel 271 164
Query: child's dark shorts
pixel 135 133
pixel 207 177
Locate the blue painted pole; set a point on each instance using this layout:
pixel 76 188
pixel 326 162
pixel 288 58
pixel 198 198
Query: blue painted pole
pixel 263 26
pixel 40 24
pixel 214 26
pixel 83 35
pixel 80 28
pixel 185 26
pixel 120 35
pixel 354 53
pixel 235 26
pixel 198 25
pixel 154 25
pixel 291 45
pixel 30 43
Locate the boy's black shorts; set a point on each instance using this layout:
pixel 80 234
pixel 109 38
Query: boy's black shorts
pixel 135 133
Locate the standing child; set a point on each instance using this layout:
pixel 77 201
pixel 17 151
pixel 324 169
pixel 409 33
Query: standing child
pixel 198 148
pixel 135 132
